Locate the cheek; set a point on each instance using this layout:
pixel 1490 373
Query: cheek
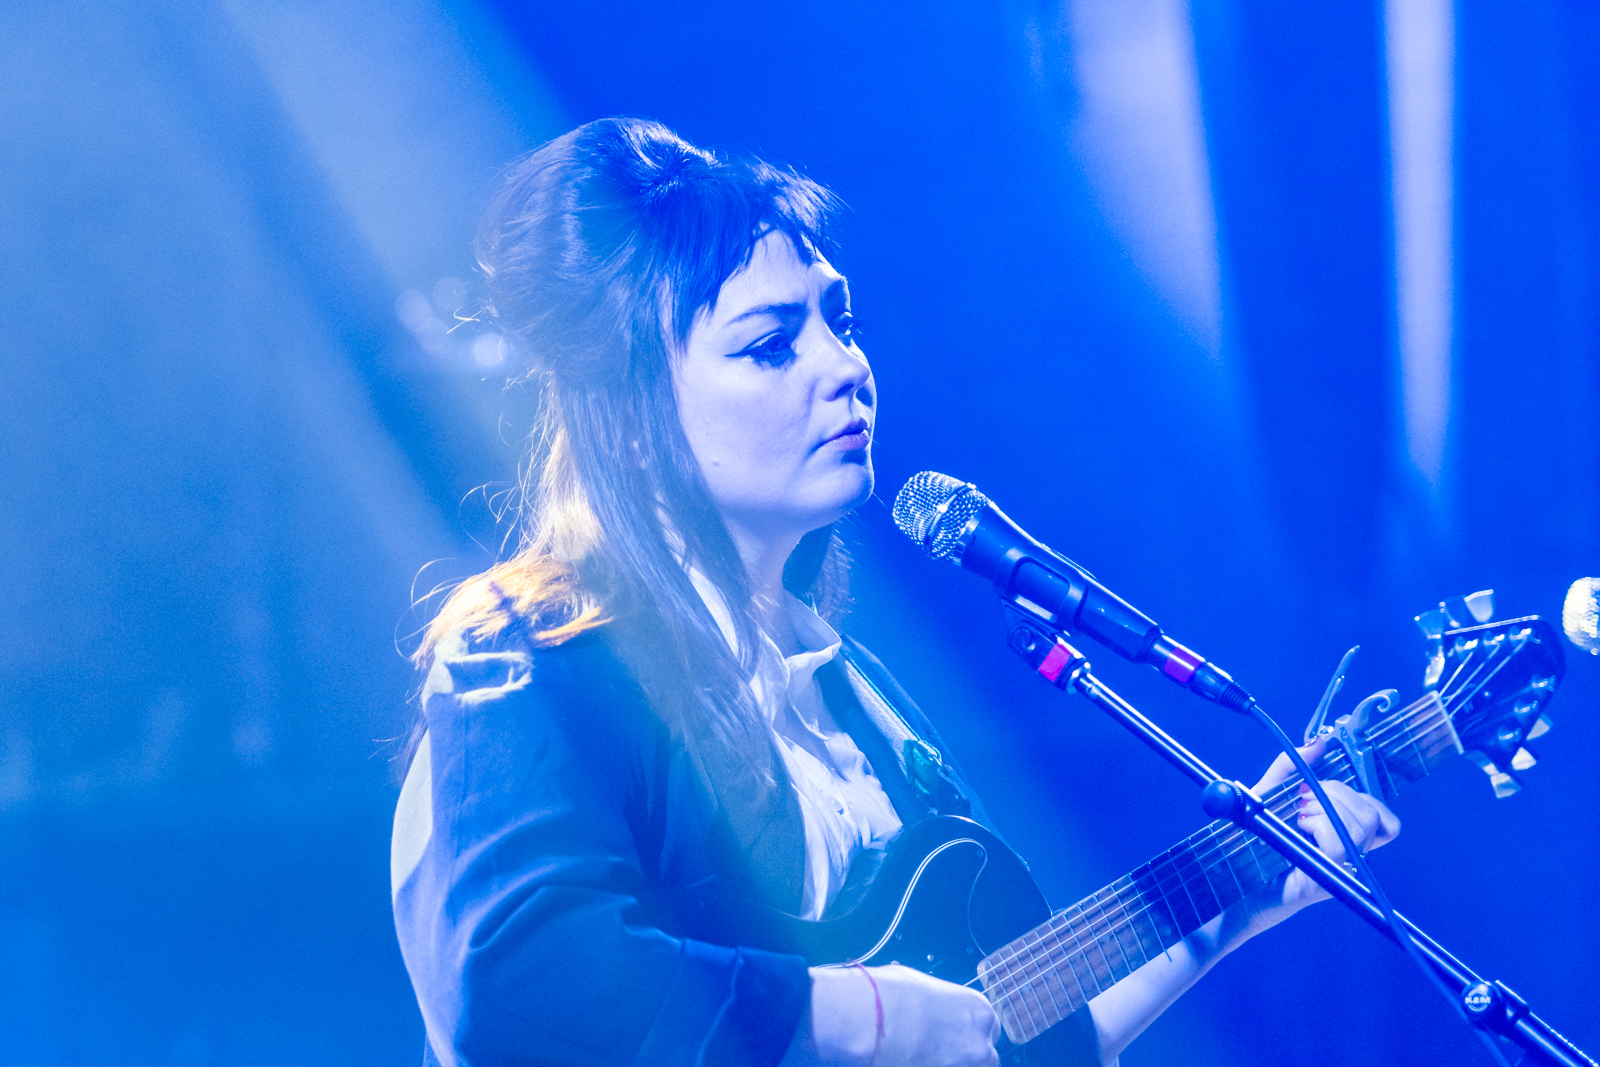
pixel 755 438
pixel 743 440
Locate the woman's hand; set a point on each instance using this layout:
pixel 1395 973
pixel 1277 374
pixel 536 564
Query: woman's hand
pixel 927 1022
pixel 1370 823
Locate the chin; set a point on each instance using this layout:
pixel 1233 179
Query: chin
pixel 854 490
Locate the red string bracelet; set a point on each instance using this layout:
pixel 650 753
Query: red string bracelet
pixel 877 1044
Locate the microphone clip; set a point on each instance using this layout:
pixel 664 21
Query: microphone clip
pixel 1043 648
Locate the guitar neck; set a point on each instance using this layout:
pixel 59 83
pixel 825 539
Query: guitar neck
pixel 1053 970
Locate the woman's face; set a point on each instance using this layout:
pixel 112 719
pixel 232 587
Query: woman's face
pixel 776 398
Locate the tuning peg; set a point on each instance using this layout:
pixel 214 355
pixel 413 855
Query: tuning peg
pixel 1504 784
pixel 1432 623
pixel 1461 611
pixel 1480 604
pixel 1540 728
pixel 1522 759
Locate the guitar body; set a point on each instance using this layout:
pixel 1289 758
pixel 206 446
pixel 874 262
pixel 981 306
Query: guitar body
pixel 947 894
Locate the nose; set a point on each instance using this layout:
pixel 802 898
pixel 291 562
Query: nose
pixel 846 372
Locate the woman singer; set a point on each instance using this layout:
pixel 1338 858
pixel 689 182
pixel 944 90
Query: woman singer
pixel 645 700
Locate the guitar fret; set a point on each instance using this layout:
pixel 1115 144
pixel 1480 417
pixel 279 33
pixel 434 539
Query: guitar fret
pixel 1072 945
pixel 1079 962
pixel 1060 1005
pixel 1132 923
pixel 1194 919
pixel 1166 925
pixel 1199 887
pixel 1037 1018
pixel 1224 886
pixel 1109 926
pixel 1034 1024
pixel 1083 993
pixel 1116 930
pixel 1126 934
pixel 1152 933
pixel 1182 907
pixel 1094 959
pixel 1046 978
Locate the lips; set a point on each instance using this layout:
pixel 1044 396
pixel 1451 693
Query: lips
pixel 856 435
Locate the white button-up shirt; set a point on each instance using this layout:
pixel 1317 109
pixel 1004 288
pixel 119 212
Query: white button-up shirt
pixel 842 803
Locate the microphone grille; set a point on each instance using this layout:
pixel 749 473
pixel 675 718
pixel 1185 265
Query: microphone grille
pixel 932 509
pixel 1580 615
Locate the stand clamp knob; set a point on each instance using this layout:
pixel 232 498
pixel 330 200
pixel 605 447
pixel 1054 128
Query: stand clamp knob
pixel 1492 1006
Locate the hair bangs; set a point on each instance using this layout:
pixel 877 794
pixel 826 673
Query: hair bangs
pixel 706 226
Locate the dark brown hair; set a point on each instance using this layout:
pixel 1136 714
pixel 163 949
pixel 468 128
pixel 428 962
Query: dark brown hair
pixel 598 251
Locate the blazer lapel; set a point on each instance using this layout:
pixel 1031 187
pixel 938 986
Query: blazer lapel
pixel 880 733
pixel 766 832
pixel 914 773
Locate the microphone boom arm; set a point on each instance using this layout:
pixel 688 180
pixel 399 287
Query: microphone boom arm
pixel 1490 1006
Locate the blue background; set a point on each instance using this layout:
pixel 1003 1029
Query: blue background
pixel 228 467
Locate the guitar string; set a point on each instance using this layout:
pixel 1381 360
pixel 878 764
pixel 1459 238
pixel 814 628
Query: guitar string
pixel 1101 927
pixel 1106 915
pixel 1094 905
pixel 1062 957
pixel 1204 853
pixel 1445 698
pixel 1120 893
pixel 1498 651
pixel 1089 913
pixel 1203 857
pixel 1477 686
pixel 1199 847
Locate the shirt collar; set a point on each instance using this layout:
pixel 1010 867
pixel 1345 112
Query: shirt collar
pixel 819 642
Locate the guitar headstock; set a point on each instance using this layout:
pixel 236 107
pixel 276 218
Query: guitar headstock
pixel 1493 680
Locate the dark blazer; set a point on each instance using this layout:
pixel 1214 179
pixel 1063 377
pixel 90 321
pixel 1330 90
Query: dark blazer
pixel 559 801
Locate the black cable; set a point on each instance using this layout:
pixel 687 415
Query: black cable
pixel 1357 857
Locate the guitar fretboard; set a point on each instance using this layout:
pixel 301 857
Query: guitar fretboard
pixel 1053 970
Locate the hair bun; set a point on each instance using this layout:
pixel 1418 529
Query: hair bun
pixel 673 172
pixel 589 232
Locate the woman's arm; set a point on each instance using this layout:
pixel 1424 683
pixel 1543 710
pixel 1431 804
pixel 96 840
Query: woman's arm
pixel 518 923
pixel 926 1022
pixel 1122 1012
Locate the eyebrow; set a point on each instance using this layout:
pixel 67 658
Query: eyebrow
pixel 794 309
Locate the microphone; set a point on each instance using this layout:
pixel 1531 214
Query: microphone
pixel 1580 615
pixel 952 520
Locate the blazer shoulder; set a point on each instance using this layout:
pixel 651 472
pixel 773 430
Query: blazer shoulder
pixel 469 672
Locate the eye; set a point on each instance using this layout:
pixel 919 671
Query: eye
pixel 772 350
pixel 847 328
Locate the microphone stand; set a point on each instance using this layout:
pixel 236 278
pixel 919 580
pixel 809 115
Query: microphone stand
pixel 1489 1006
